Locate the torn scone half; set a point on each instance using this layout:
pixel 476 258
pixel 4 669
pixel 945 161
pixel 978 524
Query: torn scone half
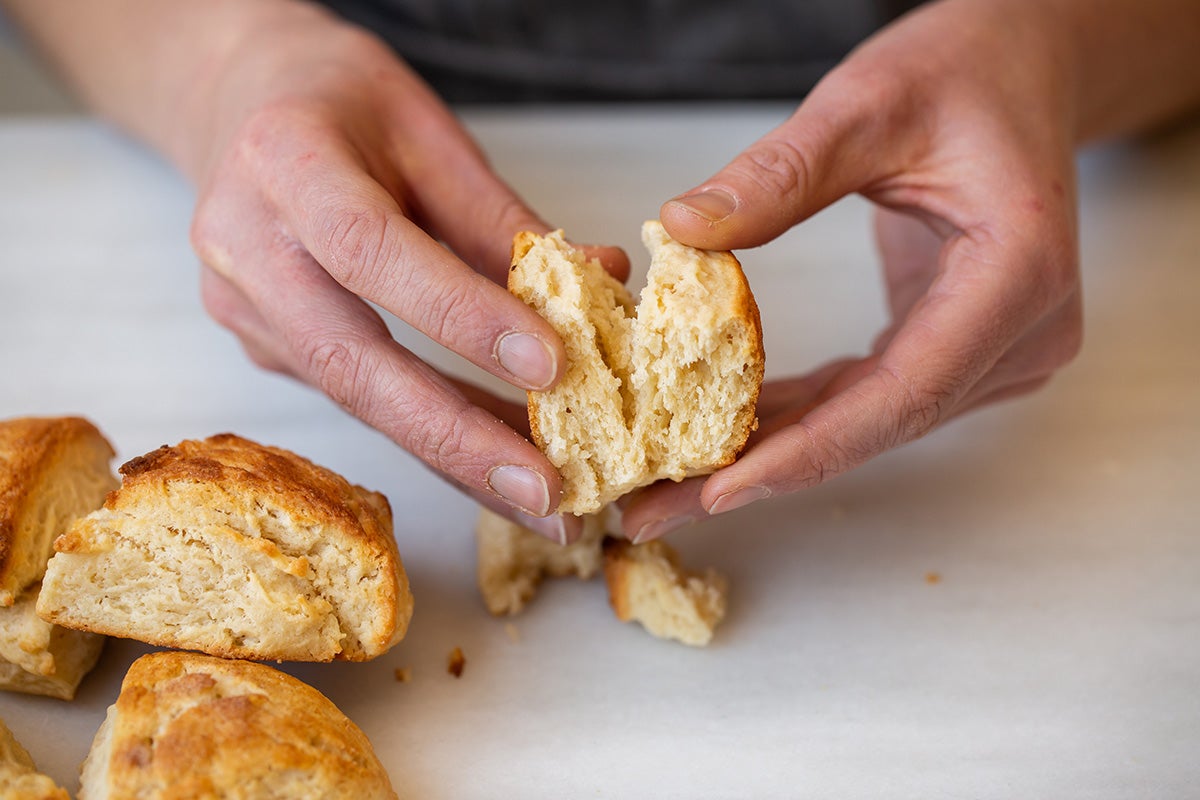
pixel 664 389
pixel 235 549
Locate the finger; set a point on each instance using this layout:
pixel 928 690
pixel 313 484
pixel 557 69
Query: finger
pixel 359 235
pixel 344 348
pixel 229 307
pixel 830 147
pixel 954 336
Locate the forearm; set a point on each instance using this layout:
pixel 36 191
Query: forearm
pixel 1134 64
pixel 150 66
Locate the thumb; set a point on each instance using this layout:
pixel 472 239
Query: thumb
pixel 826 150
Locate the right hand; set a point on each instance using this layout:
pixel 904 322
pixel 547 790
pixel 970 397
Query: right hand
pixel 329 174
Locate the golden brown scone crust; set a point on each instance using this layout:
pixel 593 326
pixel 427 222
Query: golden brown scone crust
pixel 33 450
pixel 187 725
pixel 19 778
pixel 228 480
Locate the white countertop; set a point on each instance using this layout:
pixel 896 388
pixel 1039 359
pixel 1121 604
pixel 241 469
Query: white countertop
pixel 1057 657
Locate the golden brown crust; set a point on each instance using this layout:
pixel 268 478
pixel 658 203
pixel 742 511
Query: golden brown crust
pixel 189 725
pixel 31 448
pixel 227 480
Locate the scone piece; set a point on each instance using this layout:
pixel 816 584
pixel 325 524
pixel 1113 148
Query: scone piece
pixel 19 778
pixel 513 560
pixel 664 390
pixel 647 584
pixel 37 657
pixel 52 470
pixel 188 725
pixel 236 549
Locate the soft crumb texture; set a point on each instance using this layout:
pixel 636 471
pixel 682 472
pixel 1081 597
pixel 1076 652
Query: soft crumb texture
pixel 512 560
pixel 647 584
pixel 52 470
pixel 37 657
pixel 664 390
pixel 456 662
pixel 187 725
pixel 19 778
pixel 235 549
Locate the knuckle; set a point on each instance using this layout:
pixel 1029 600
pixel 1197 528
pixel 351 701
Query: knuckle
pixel 340 369
pixel 358 245
pixel 777 167
pixel 918 405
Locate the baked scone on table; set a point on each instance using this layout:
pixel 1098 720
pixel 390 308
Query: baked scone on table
pixel 236 549
pixel 52 471
pixel 663 389
pixel 187 725
pixel 19 778
pixel 37 657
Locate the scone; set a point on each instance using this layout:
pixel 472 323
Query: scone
pixel 187 725
pixel 52 470
pixel 647 584
pixel 37 657
pixel 666 389
pixel 513 560
pixel 19 778
pixel 235 549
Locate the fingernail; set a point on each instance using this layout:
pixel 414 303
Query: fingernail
pixel 713 205
pixel 522 488
pixel 527 358
pixel 738 498
pixel 559 528
pixel 659 527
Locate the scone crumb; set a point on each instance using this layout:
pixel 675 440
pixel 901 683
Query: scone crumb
pixel 456 662
pixel 403 674
pixel 511 631
pixel 933 578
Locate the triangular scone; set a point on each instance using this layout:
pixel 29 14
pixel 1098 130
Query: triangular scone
pixel 664 390
pixel 19 778
pixel 235 549
pixel 52 470
pixel 192 726
pixel 37 657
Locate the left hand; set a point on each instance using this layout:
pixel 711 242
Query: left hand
pixel 956 123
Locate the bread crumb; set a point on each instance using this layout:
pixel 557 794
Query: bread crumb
pixel 933 578
pixel 456 662
pixel 511 631
pixel 403 674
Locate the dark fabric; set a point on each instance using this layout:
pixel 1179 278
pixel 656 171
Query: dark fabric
pixel 506 50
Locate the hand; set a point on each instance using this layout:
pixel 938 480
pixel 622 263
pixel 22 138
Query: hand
pixel 329 176
pixel 957 123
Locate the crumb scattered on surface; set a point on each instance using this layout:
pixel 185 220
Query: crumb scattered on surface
pixel 933 578
pixel 511 631
pixel 403 674
pixel 456 662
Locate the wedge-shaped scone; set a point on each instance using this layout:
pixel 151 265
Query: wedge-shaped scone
pixel 187 725
pixel 666 389
pixel 19 778
pixel 648 584
pixel 52 470
pixel 37 657
pixel 513 560
pixel 235 549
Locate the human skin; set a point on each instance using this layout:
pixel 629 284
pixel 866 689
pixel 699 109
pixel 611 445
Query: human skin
pixel 320 162
pixel 960 123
